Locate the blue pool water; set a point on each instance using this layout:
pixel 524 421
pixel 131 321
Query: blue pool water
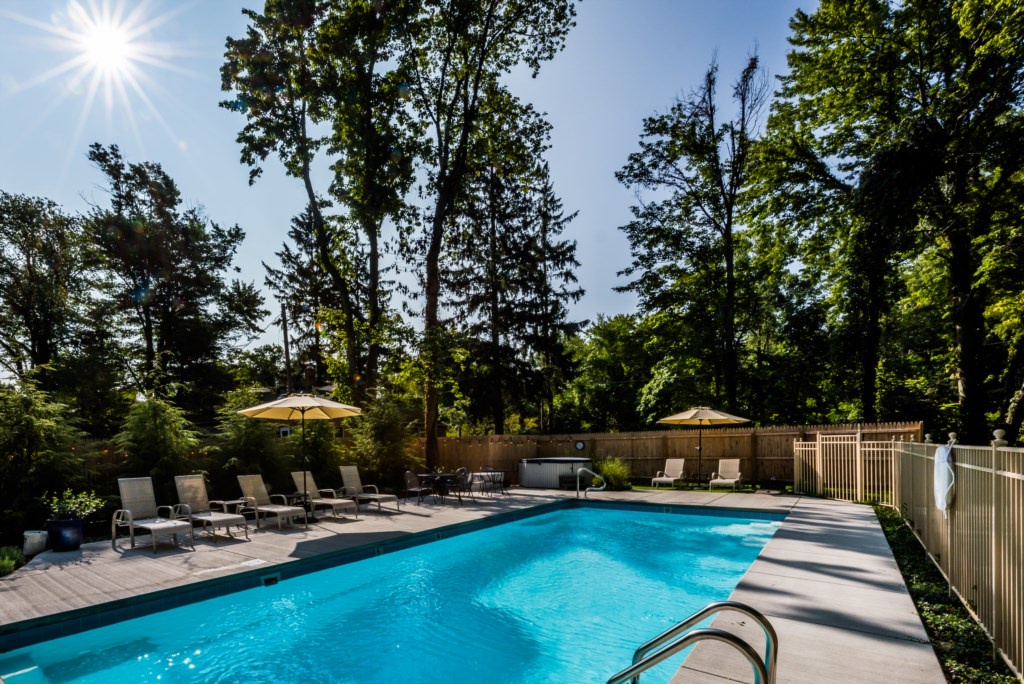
pixel 562 597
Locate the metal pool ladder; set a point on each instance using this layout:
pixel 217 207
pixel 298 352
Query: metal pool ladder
pixel 589 489
pixel 675 639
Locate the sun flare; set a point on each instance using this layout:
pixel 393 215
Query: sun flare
pixel 111 49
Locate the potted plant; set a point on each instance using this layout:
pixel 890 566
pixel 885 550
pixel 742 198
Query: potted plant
pixel 66 528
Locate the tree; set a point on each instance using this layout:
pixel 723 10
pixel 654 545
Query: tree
pixel 157 440
pixel 459 50
pixel 916 105
pixel 166 277
pixel 685 246
pixel 305 64
pixel 43 281
pixel 612 367
pixel 37 455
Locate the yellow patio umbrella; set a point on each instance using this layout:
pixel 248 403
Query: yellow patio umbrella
pixel 301 406
pixel 701 416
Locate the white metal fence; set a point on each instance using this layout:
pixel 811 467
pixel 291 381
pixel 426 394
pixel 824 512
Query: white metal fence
pixel 980 545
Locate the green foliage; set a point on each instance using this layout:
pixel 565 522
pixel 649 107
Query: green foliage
pixel 37 453
pixel 383 443
pixel 165 280
pixel 71 505
pixel 612 366
pixel 43 282
pixel 615 472
pixel 961 645
pixel 11 559
pixel 247 446
pixel 157 440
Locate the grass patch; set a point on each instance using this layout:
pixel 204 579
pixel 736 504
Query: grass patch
pixel 963 649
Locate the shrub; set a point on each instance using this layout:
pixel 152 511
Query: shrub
pixel 11 559
pixel 615 472
pixel 71 505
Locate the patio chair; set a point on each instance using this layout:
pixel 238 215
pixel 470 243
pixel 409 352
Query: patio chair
pixel 193 497
pixel 325 498
pixel 139 509
pixel 353 487
pixel 674 472
pixel 461 484
pixel 413 486
pixel 254 491
pixel 728 473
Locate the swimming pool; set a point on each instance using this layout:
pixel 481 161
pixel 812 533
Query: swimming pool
pixel 563 596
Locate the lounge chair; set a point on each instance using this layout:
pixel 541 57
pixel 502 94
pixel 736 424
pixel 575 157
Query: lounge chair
pixel 325 498
pixel 413 486
pixel 728 473
pixel 193 497
pixel 354 488
pixel 139 509
pixel 254 491
pixel 674 472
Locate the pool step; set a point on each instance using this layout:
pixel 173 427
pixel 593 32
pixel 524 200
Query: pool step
pixel 676 638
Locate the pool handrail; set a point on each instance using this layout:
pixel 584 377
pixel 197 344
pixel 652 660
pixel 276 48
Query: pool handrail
pixel 672 634
pixel 604 484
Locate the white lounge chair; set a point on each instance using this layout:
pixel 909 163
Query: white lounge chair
pixel 193 497
pixel 354 488
pixel 254 491
pixel 323 498
pixel 728 473
pixel 139 509
pixel 674 472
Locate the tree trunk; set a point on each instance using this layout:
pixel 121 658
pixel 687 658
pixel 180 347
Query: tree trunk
pixel 969 337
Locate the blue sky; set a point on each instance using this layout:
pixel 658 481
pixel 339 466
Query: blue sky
pixel 625 60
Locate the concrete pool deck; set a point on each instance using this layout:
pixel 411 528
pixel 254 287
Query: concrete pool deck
pixel 826 580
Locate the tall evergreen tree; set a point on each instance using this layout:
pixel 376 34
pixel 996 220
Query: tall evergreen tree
pixel 167 270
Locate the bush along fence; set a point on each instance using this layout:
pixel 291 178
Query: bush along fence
pixel 978 543
pixel 766 454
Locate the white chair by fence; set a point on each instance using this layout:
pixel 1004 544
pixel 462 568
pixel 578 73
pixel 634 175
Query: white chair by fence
pixel 728 473
pixel 673 472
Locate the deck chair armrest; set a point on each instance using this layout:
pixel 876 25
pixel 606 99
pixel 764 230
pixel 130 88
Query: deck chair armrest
pixel 122 516
pixel 166 512
pixel 218 503
pixel 329 493
pixel 274 497
pixel 714 476
pixel 249 502
pixel 182 510
pixel 373 487
pixel 661 473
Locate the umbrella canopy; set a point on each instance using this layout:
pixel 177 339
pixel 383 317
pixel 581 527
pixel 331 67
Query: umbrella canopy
pixel 301 406
pixel 701 416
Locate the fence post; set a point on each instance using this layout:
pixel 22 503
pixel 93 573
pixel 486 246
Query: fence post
pixel 819 475
pixel 997 537
pixel 859 465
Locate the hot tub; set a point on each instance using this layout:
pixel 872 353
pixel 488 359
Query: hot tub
pixel 544 472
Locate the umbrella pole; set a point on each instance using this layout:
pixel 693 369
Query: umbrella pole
pixel 700 451
pixel 305 468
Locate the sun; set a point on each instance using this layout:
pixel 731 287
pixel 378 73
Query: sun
pixel 108 48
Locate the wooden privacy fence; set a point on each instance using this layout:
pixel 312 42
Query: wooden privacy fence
pixel 766 454
pixel 978 546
